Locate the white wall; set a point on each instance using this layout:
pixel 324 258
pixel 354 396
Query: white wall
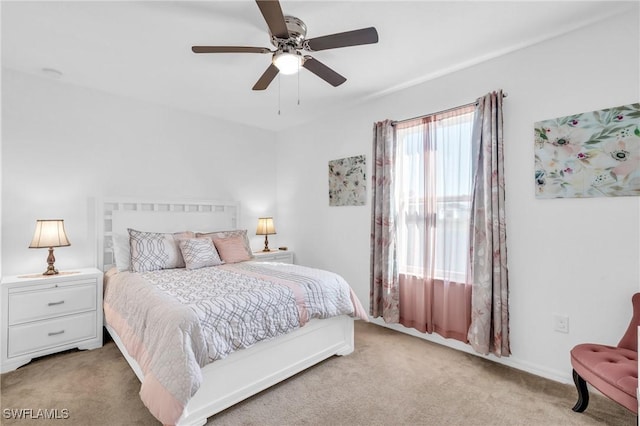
pixel 577 257
pixel 64 146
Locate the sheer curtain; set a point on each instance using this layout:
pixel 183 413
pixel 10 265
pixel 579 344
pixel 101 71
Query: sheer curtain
pixel 433 190
pixel 489 330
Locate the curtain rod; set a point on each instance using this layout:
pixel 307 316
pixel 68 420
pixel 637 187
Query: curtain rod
pixel 394 122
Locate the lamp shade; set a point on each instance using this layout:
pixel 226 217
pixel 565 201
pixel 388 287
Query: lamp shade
pixel 265 226
pixel 49 233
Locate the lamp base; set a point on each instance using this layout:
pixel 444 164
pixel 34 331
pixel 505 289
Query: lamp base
pixel 266 243
pixel 51 270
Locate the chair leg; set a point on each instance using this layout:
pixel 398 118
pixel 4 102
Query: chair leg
pixel 583 393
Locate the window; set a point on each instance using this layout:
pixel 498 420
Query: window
pixel 433 187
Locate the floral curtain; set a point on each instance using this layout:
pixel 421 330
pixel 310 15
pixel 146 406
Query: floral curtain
pixel 489 330
pixel 384 295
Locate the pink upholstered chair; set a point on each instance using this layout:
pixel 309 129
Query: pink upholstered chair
pixel 613 370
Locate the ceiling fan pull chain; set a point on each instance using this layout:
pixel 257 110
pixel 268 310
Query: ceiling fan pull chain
pixel 278 94
pixel 298 83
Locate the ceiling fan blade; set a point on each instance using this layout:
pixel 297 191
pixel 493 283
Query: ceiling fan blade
pixel 229 49
pixel 272 13
pixel 348 38
pixel 323 71
pixel 266 78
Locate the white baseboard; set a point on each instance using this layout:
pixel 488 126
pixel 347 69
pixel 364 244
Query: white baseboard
pixel 511 361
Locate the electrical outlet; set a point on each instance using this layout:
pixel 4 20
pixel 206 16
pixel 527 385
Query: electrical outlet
pixel 561 323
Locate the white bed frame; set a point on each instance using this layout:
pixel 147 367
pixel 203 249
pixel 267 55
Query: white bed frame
pixel 243 373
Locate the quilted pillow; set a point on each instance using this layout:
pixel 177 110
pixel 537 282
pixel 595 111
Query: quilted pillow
pixel 233 246
pixel 232 249
pixel 199 253
pixel 151 251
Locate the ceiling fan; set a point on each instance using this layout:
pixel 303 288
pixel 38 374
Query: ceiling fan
pixel 288 35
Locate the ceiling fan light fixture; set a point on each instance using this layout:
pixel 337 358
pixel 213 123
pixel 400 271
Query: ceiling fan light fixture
pixel 287 63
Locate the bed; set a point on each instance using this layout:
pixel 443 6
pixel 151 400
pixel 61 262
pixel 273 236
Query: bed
pixel 236 372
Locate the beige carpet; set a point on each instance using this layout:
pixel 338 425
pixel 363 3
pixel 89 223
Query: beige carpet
pixel 390 379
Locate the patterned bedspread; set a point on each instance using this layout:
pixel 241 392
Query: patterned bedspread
pixel 175 321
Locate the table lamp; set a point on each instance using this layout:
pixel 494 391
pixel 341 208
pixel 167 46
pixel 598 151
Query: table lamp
pixel 49 234
pixel 266 228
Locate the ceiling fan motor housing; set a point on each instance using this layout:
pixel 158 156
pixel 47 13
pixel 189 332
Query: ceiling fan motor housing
pixel 297 33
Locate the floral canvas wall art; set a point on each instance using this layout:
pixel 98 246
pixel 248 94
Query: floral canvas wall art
pixel 347 181
pixel 593 154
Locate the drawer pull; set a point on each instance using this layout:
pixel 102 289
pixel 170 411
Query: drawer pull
pixel 55 303
pixel 55 333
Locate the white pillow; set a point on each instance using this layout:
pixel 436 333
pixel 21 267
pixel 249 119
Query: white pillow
pixel 122 252
pixel 199 253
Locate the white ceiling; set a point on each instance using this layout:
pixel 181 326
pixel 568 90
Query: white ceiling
pixel 143 49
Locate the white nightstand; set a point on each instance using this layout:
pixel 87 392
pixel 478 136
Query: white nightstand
pixel 283 256
pixel 42 315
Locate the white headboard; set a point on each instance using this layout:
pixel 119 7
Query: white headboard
pixel 116 215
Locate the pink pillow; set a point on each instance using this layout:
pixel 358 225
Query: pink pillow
pixel 232 248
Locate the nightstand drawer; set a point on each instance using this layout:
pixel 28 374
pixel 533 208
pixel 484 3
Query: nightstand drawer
pixel 45 334
pixel 35 305
pixel 282 257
